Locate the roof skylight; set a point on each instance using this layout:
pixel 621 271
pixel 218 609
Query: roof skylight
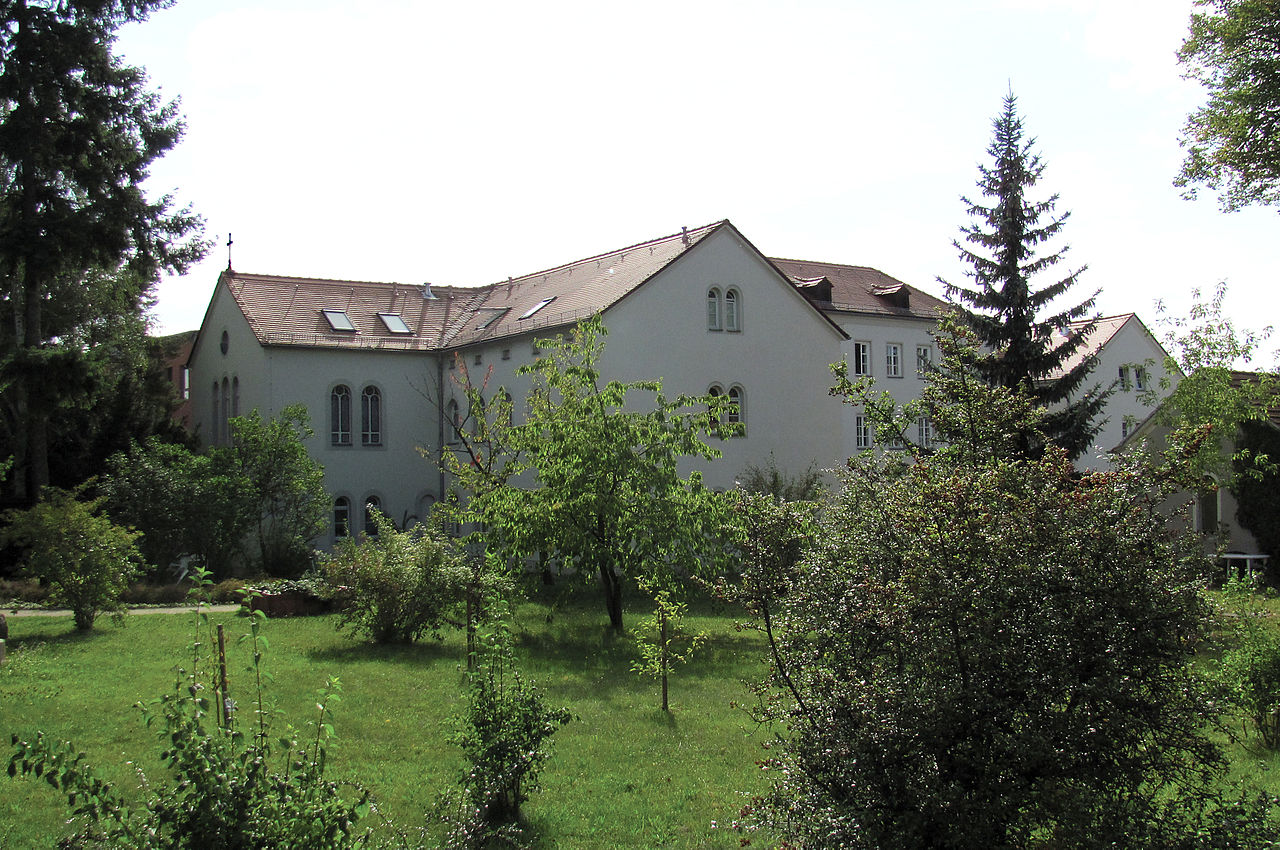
pixel 338 320
pixel 493 316
pixel 536 307
pixel 394 323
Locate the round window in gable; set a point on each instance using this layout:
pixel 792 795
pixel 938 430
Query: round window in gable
pixel 226 342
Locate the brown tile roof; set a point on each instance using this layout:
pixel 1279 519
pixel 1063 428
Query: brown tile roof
pixel 287 310
pixel 860 289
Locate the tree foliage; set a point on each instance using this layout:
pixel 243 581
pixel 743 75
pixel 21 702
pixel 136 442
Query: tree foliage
pixel 1257 493
pixel 985 649
pixel 75 550
pixel 79 131
pixel 285 484
pixel 601 490
pixel 1031 347
pixel 398 585
pixel 1233 142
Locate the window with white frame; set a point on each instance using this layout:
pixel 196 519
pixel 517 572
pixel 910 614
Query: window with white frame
pixel 732 310
pixel 924 357
pixel 714 309
pixel 862 432
pixel 738 413
pixel 924 432
pixel 371 416
pixel 1139 378
pixel 1126 427
pixel 1124 377
pixel 893 359
pixel 340 415
pixel 862 358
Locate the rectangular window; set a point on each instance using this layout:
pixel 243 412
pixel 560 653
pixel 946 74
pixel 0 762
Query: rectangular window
pixel 893 359
pixel 1126 427
pixel 536 307
pixel 862 358
pixel 862 432
pixel 924 356
pixel 1124 377
pixel 924 432
pixel 506 354
pixel 338 320
pixel 477 360
pixel 1140 378
pixel 394 323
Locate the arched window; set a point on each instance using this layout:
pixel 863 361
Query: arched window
pixel 213 420
pixel 508 408
pixel 224 425
pixel 426 504
pixel 341 517
pixel 340 415
pixel 372 505
pixel 235 396
pixel 738 414
pixel 715 391
pixel 732 310
pixel 713 309
pixel 371 416
pixel 452 422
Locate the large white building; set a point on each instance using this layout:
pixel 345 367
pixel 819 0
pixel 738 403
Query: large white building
pixel 702 310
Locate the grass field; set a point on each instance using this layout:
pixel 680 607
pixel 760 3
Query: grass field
pixel 623 774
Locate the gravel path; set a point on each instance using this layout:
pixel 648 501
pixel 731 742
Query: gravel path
pixel 65 612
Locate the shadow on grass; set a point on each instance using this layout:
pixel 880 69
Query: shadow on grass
pixel 71 637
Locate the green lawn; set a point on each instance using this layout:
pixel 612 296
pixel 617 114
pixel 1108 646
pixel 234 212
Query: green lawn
pixel 623 774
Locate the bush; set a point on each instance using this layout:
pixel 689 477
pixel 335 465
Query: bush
pixel 84 558
pixel 505 731
pixel 398 585
pixel 1249 673
pixel 226 792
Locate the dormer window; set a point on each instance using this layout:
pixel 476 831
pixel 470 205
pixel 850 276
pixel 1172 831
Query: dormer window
pixel 394 323
pixel 338 320
pixel 536 307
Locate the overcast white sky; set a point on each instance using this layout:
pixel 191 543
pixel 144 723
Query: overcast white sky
pixel 462 143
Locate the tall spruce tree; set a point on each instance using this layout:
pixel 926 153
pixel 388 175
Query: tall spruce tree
pixel 1027 346
pixel 79 130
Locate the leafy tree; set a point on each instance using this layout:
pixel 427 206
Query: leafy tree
pixel 662 641
pixel 285 483
pixel 985 649
pixel 1026 349
pixel 1256 492
pixel 184 503
pixel 1233 141
pixel 607 497
pixel 79 131
pixel 802 486
pixel 84 558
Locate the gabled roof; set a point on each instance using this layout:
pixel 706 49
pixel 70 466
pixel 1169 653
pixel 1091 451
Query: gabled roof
pixel 289 310
pixel 1103 332
pixel 860 289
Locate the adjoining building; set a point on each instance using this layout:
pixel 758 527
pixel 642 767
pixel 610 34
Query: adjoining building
pixel 702 310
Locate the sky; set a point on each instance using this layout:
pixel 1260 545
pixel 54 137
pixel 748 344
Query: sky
pixel 463 143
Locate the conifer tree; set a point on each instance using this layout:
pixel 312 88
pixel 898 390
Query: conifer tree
pixel 1028 346
pixel 79 130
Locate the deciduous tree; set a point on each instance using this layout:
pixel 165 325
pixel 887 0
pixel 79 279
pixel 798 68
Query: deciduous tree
pixel 1233 141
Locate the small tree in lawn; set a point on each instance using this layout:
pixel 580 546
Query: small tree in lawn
pixel 662 642
pixel 606 495
pixel 1027 349
pixel 84 558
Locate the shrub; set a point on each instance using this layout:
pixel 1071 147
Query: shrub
pixel 505 730
pixel 226 792
pixel 1249 673
pixel 84 558
pixel 398 585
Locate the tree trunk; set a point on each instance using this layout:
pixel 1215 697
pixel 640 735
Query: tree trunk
pixel 662 648
pixel 612 585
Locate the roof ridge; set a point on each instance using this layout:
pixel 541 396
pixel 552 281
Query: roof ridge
pixel 703 230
